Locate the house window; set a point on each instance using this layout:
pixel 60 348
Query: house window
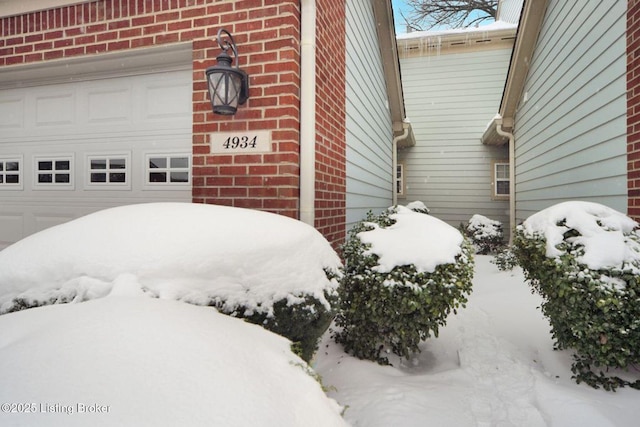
pixel 10 173
pixel 167 169
pixel 108 171
pixel 400 179
pixel 501 183
pixel 53 172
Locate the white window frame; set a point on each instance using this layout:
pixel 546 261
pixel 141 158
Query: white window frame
pixel 12 186
pixel 108 185
pixel 398 180
pixel 496 179
pixel 53 158
pixel 168 155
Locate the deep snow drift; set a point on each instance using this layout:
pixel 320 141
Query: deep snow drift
pixel 189 252
pixel 131 360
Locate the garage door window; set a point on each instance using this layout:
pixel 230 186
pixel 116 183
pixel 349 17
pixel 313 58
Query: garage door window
pixel 108 171
pixel 10 173
pixel 53 172
pixel 163 169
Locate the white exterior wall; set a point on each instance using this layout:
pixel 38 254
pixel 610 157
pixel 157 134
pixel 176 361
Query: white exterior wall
pixel 570 128
pixel 369 129
pixel 450 98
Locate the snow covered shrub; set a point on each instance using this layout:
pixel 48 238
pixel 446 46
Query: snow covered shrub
pixel 584 260
pixel 505 259
pixel 418 206
pixel 404 273
pixel 303 321
pixel 267 268
pixel 485 234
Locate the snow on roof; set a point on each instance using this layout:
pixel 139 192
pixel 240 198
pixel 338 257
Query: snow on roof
pixel 603 232
pixel 183 251
pixel 415 238
pixel 494 26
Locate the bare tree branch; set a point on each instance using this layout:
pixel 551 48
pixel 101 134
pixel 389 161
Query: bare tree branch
pixel 429 14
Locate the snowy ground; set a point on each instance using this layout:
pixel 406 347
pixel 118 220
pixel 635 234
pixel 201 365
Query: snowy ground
pixel 492 365
pixel 158 361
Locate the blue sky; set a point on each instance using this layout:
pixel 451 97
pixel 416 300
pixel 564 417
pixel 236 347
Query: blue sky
pixel 398 6
pixel 401 6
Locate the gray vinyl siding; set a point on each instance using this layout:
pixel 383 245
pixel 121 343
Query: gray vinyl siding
pixel 570 128
pixel 450 99
pixel 369 129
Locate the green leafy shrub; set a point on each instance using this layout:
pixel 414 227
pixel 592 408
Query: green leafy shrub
pixel 393 309
pixel 593 308
pixel 486 234
pixel 303 319
pixel 505 259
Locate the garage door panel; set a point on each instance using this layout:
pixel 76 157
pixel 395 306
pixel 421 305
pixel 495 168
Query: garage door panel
pixel 123 124
pixel 11 113
pixel 113 105
pixel 43 221
pixel 11 226
pixel 55 109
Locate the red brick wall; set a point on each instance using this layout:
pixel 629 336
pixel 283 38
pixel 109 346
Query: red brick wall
pixel 633 109
pixel 330 120
pixel 267 33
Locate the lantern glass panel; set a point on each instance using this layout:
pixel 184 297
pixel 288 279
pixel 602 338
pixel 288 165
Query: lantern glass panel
pixel 224 89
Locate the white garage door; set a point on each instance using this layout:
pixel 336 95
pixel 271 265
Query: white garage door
pixel 68 149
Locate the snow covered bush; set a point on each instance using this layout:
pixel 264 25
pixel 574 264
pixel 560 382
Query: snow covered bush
pixel 485 234
pixel 584 260
pixel 505 259
pixel 404 272
pixel 270 269
pixel 418 206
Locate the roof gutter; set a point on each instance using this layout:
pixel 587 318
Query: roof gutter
pixel 403 135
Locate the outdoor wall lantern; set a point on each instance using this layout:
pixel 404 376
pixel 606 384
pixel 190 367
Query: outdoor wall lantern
pixel 228 86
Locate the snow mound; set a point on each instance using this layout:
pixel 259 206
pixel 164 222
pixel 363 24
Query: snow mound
pixel 484 227
pixel 190 252
pixel 603 232
pixel 415 238
pixel 140 361
pixel 418 206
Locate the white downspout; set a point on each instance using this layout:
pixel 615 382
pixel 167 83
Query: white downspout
pixel 512 177
pixel 394 159
pixel 307 111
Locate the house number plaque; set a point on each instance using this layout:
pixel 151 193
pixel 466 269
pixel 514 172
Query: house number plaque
pixel 241 142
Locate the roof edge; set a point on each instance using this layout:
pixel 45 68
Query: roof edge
pixel 386 32
pixel 526 38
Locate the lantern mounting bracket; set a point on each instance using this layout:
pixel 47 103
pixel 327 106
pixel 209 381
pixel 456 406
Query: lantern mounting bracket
pixel 228 86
